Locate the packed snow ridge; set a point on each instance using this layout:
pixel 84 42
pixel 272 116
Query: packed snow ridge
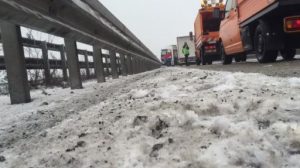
pixel 166 118
pixel 3 77
pixel 3 82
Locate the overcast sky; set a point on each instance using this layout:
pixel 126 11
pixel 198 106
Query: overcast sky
pixel 156 23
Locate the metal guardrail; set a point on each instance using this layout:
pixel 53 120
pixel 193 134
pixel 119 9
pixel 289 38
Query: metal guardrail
pixel 86 21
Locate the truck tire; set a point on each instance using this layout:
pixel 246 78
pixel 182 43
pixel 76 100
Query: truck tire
pixel 243 57
pixel 209 62
pixel 198 61
pixel 288 54
pixel 226 59
pixel 203 58
pixel 263 55
pixel 237 58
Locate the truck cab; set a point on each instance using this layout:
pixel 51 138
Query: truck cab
pixel 206 26
pixel 169 55
pixel 262 27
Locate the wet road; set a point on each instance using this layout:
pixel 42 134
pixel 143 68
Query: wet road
pixel 280 68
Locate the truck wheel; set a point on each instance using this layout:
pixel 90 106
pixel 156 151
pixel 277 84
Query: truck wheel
pixel 237 58
pixel 263 55
pixel 198 61
pixel 203 61
pixel 226 59
pixel 203 58
pixel 208 60
pixel 243 57
pixel 288 54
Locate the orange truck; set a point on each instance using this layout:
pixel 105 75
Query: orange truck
pixel 206 27
pixel 263 27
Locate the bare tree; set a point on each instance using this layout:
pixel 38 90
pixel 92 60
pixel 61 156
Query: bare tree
pixel 36 76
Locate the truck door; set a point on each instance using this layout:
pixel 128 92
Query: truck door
pixel 230 31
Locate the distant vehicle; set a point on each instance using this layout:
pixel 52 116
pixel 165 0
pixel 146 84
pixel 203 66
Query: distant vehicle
pixel 190 42
pixel 169 55
pixel 260 26
pixel 206 27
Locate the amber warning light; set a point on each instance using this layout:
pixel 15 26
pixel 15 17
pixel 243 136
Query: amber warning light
pixel 292 24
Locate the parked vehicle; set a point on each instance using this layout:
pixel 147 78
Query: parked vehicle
pixel 190 42
pixel 169 55
pixel 206 27
pixel 260 26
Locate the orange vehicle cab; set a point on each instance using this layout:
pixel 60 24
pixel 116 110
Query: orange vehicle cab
pixel 206 26
pixel 262 27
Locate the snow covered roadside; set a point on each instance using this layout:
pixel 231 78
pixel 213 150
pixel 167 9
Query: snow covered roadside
pixel 3 83
pixel 172 117
pixel 3 77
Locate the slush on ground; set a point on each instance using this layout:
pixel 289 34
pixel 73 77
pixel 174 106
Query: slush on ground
pixel 170 117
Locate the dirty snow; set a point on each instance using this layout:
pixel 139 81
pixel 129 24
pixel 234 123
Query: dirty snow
pixel 3 78
pixel 3 83
pixel 171 117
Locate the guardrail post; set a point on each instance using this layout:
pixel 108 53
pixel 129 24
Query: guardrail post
pixel 143 66
pixel 46 63
pixel 87 64
pixel 126 64
pixel 136 70
pixel 129 64
pixel 15 63
pixel 123 65
pixel 147 66
pixel 98 64
pixel 139 67
pixel 107 65
pixel 63 63
pixel 73 64
pixel 119 65
pixel 113 64
pixel 133 64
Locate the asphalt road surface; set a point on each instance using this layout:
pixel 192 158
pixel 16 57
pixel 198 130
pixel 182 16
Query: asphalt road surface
pixel 280 68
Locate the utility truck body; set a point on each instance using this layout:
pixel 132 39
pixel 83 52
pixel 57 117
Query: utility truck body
pixel 263 27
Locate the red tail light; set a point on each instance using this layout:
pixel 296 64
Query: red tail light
pixel 292 24
pixel 210 47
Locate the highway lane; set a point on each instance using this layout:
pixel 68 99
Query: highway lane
pixel 280 68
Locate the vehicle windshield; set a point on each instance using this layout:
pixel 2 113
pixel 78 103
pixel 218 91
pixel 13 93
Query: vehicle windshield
pixel 165 52
pixel 211 25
